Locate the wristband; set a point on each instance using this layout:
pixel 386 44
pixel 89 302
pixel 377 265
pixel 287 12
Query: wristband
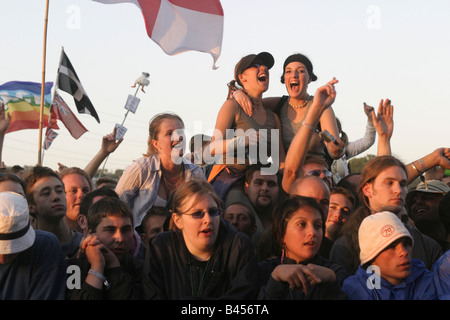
pixel 101 277
pixel 308 126
pixel 422 164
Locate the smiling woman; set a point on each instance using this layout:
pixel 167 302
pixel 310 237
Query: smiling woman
pixel 152 180
pixel 252 74
pixel 202 256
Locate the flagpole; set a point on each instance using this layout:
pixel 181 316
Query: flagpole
pixel 53 95
pixel 123 121
pixel 41 117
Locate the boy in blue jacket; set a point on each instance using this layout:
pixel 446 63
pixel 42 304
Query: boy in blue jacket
pixel 387 271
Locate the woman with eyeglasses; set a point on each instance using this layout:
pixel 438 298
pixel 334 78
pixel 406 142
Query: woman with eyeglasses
pixel 240 140
pixel 202 256
pixel 299 272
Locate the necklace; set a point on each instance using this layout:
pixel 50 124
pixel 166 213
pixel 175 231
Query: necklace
pixel 300 106
pixel 200 286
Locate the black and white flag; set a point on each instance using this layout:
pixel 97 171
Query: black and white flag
pixel 69 82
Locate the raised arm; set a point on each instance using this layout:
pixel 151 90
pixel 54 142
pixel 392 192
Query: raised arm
pixel 5 120
pixel 358 146
pixel 384 124
pixel 298 149
pixel 109 145
pixel 439 157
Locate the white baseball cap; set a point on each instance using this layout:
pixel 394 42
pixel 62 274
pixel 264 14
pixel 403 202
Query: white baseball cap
pixel 378 231
pixel 16 233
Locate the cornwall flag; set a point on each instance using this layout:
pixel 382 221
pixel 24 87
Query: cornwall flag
pixel 69 82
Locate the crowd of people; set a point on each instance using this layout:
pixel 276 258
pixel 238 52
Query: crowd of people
pixel 272 212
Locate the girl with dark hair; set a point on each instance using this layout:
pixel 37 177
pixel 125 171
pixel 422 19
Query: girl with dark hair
pixel 300 273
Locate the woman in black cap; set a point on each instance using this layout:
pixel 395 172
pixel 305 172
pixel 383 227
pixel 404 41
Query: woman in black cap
pixel 292 108
pixel 241 146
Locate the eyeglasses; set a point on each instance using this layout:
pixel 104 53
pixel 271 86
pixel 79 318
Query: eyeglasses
pixel 199 214
pixel 317 173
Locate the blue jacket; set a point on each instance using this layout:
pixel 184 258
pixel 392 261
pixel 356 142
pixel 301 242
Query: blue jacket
pixel 441 271
pixel 418 286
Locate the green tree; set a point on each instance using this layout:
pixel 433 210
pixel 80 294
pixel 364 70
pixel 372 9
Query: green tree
pixel 355 165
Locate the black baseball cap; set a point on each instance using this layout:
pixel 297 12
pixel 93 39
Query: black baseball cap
pixel 262 58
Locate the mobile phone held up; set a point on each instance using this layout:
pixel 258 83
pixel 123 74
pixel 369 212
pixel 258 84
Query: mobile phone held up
pixel 328 137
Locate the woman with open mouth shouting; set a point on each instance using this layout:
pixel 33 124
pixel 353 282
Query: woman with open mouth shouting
pixel 251 134
pixel 202 256
pixel 293 108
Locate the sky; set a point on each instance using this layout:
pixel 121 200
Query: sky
pixel 397 50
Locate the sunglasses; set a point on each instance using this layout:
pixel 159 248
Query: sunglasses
pixel 257 65
pixel 317 173
pixel 199 214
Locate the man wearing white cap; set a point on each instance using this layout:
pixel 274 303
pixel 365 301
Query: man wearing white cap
pixel 422 204
pixel 387 271
pixel 32 266
pixel 382 187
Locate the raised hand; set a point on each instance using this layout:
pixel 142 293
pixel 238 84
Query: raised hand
pixel 384 120
pixel 109 143
pixel 5 119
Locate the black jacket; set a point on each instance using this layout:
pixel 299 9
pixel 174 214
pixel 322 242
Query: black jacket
pixel 274 290
pixel 125 281
pixel 170 272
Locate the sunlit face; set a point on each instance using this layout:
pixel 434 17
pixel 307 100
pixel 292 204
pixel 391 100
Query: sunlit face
pixel 170 141
pixel 239 216
pixel 395 261
pixel 49 198
pixel 116 233
pixel 262 190
pixel 339 211
pixel 255 80
pixel 304 232
pixel 77 187
pixel 296 79
pixel 316 166
pixel 12 186
pixel 199 234
pixel 387 192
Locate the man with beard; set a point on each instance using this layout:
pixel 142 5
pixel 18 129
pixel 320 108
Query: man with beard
pixel 261 194
pixel 422 204
pixel 383 187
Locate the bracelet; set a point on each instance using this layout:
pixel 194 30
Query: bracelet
pixel 308 126
pixel 101 277
pixel 415 168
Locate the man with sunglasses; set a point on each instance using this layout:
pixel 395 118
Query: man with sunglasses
pixel 316 166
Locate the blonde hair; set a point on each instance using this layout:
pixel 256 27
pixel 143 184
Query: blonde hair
pixel 188 190
pixel 154 129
